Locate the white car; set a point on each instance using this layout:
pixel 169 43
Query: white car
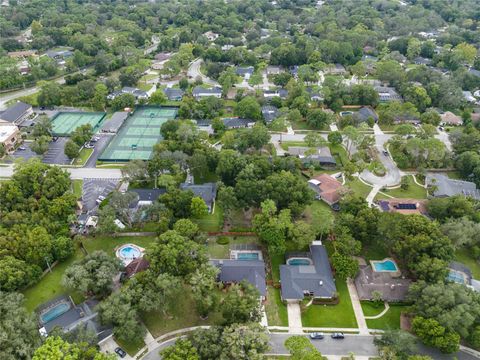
pixel 100 199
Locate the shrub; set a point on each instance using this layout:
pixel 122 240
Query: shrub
pixel 222 240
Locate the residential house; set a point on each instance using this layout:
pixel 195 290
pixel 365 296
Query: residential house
pixel 307 274
pixel 227 47
pixel 207 191
pixel 17 113
pixel 173 94
pixel 403 206
pixel 387 94
pixel 139 94
pixel 364 114
pixel 327 188
pixel 317 156
pixel 269 113
pixel 9 136
pixel 114 124
pixel 162 56
pixel 211 36
pixel 391 285
pixel 468 96
pixel 264 33
pixel 336 69
pixel 146 197
pixel 315 95
pixel 71 316
pixel 22 54
pixel 236 271
pixel 274 70
pixel 449 118
pixel 406 118
pixel 201 92
pixel 245 72
pixel 422 61
pixel 443 186
pixel 369 58
pixel 237 123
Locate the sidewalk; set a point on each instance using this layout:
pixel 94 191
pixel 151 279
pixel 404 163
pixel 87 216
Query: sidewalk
pixel 357 308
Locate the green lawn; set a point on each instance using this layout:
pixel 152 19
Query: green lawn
pixel 359 188
pixel 182 315
pixel 319 214
pixel 50 287
pixel 83 157
pixel 218 251
pixel 286 144
pixel 391 319
pixel 211 222
pixel 464 256
pixel 339 153
pixel 374 252
pixel 414 191
pixel 77 187
pixel 454 175
pixel 340 315
pixel 370 308
pixel 131 347
pixel 275 308
pixel 202 177
pixel 110 243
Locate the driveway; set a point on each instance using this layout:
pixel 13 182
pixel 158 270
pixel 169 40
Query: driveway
pixel 100 145
pixel 93 188
pixel 294 318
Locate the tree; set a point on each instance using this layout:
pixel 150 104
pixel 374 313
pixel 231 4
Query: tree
pixel 187 228
pixel 157 98
pixel 397 342
pixel 63 248
pixel 433 334
pixel 390 71
pixel 462 232
pixel 71 150
pixel 241 304
pixel 204 282
pixel 100 97
pixel 93 274
pixel 318 118
pixel 418 96
pixel 344 265
pixel 244 342
pixel 50 94
pixel 56 348
pixel 16 274
pixel 18 327
pixel 335 137
pixel 466 52
pixel 82 134
pixel 430 117
pixel 41 144
pixel 123 101
pixel 182 350
pixel 314 139
pixel 301 348
pixel 198 207
pixel 249 108
pixel 179 202
pixel 42 127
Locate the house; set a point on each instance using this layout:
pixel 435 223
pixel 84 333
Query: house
pixel 200 92
pixel 369 58
pixel 146 197
pixel 139 94
pixel 403 206
pixel 269 113
pixel 114 124
pixel 386 94
pixel 422 61
pixel 317 156
pixel 391 285
pixel 9 137
pixel 474 72
pixel 237 123
pixel 326 188
pixel 273 70
pixel 22 54
pixel 314 94
pixel 468 96
pixel 281 93
pixel 207 191
pixel 406 118
pixel 211 36
pixel 227 47
pixel 173 94
pixel 364 114
pixel 17 113
pixel 449 118
pixel 336 69
pixel 162 56
pixel 135 266
pixel 235 271
pixel 245 72
pixel 460 273
pixel 307 274
pixel 62 313
pixel 443 186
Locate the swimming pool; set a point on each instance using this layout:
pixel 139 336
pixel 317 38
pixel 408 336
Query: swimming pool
pixel 129 252
pixel 247 256
pixel 386 265
pixel 456 277
pixel 299 261
pixel 346 113
pixel 54 312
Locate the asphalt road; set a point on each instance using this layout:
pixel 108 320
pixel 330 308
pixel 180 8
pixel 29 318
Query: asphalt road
pixel 194 72
pixel 100 145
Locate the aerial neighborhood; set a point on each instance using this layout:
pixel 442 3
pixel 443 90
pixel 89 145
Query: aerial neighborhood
pixel 240 180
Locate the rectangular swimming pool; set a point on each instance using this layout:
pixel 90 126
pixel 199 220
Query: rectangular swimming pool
pixel 247 256
pixel 54 312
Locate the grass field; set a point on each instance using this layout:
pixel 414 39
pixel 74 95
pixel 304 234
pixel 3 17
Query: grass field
pixel 391 319
pixel 414 191
pixel 320 215
pixel 359 188
pixel 464 256
pixel 211 222
pixel 275 308
pixel 109 243
pixel 83 156
pixel 339 153
pixel 218 251
pixel 370 308
pixel 77 187
pixel 340 315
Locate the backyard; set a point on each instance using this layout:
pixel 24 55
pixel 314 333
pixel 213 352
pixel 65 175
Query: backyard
pixel 215 250
pixel 359 188
pixel 110 243
pixel 211 222
pixel 464 255
pixel 320 215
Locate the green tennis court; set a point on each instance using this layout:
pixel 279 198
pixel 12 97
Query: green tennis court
pixel 138 134
pixel 64 123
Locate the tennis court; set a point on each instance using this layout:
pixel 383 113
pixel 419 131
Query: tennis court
pixel 64 123
pixel 138 134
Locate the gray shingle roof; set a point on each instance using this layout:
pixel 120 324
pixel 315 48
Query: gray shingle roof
pixel 269 113
pixel 449 187
pixel 198 90
pixel 364 113
pixel 173 94
pixel 244 70
pixel 149 194
pixel 316 278
pixel 207 191
pixel 115 122
pixel 237 270
pixel 15 112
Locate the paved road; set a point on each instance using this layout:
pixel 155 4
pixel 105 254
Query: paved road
pixel 75 173
pixel 100 145
pixel 194 72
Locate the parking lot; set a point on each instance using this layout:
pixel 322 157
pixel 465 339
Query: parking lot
pixel 100 145
pixel 55 153
pixel 23 154
pixel 93 188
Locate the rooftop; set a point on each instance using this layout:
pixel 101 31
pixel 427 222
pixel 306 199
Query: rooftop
pixel 6 131
pixel 15 112
pixel 115 122
pixel 237 270
pixel 446 187
pixel 207 191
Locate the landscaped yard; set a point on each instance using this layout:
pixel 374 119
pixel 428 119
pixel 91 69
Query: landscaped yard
pixel 465 257
pixel 131 347
pixel 77 187
pixel 391 319
pixel 83 156
pixel 319 214
pixel 370 308
pixel 359 188
pixel 340 315
pixel 202 177
pixel 110 243
pixel 182 315
pixel 339 153
pixel 286 144
pixel 211 222
pixel 374 252
pixel 414 191
pixel 219 251
pixel 275 308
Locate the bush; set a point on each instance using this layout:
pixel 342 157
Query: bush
pixel 223 240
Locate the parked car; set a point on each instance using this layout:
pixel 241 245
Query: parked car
pixel 95 139
pixel 55 138
pixel 385 152
pixel 338 336
pixel 120 352
pixel 22 148
pixel 441 128
pixel 100 199
pixel 88 146
pixel 317 336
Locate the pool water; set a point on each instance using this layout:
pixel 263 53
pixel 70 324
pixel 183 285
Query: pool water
pixel 455 277
pixel 129 253
pixel 386 265
pixel 298 261
pixel 247 256
pixel 54 312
